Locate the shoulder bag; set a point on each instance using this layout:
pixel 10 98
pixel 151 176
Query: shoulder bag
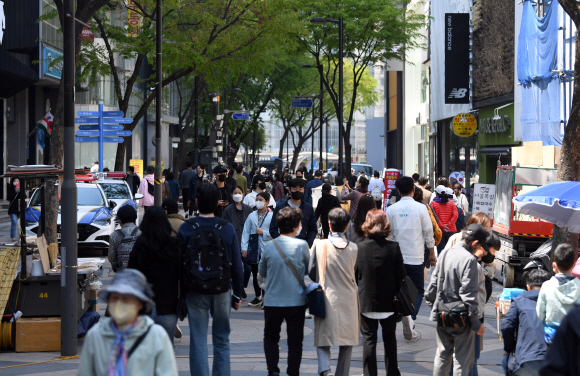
pixel 313 291
pixel 452 314
pixel 404 300
pixel 254 244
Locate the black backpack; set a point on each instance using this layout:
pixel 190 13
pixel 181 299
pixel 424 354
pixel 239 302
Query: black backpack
pixel 206 262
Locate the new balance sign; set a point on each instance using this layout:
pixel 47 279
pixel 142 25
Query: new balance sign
pixel 458 93
pixel 456 58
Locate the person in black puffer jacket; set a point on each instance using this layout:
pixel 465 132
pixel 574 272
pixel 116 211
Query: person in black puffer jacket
pixel 155 254
pixel 14 195
pixel 326 203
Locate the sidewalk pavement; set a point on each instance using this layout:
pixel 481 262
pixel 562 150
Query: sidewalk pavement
pixel 247 354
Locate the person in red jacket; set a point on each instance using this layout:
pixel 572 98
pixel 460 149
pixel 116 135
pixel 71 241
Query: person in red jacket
pixel 447 213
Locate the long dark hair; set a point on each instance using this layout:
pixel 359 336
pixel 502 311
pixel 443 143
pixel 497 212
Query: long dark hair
pixel 156 231
pixel 365 203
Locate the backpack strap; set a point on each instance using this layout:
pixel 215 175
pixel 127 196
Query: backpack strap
pixel 121 233
pixel 135 230
pixel 138 342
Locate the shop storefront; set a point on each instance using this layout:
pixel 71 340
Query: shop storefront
pixel 496 138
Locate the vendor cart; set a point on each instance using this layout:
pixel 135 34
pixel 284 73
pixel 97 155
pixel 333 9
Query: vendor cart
pixel 520 234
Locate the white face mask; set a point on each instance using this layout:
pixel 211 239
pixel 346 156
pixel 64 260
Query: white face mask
pixel 260 205
pixel 123 313
pixel 299 229
pixel 238 197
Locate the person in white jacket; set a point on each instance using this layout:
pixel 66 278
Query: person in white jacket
pixel 128 342
pixel 461 198
pixel 561 293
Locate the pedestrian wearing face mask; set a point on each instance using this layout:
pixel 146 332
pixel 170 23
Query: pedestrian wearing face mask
pixel 308 227
pixel 326 203
pixel 225 190
pixel 237 215
pixel 128 342
pixel 447 213
pixel 258 185
pixel 255 235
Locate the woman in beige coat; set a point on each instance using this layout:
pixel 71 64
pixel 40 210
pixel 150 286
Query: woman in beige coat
pixel 332 264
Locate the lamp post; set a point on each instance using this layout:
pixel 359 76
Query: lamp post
pixel 319 66
pixel 157 197
pixel 339 22
pixel 225 136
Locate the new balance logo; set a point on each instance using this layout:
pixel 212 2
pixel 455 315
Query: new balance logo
pixel 458 93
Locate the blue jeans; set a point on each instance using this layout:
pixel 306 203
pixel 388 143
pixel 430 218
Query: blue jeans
pixel 415 272
pixel 199 307
pixel 168 322
pixel 14 227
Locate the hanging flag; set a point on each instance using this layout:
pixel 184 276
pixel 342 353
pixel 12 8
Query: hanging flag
pixel 40 138
pixel 45 125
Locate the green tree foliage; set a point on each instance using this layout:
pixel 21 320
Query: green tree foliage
pixel 375 31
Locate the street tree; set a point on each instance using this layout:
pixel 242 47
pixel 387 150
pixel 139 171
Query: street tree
pixel 569 167
pixel 375 31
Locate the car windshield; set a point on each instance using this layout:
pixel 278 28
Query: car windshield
pixel 115 191
pixel 367 169
pixel 85 197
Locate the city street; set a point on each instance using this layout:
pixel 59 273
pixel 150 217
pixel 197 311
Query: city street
pixel 247 354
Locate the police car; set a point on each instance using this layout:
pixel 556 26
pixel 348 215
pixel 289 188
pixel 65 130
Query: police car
pixel 95 216
pixel 116 189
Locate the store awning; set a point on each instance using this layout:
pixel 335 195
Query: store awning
pixel 14 75
pixel 496 150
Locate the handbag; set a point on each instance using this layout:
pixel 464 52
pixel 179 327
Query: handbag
pixel 313 291
pixel 254 245
pixel 404 300
pixel 452 314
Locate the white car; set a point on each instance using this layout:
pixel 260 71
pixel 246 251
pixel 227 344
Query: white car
pixel 95 217
pixel 119 191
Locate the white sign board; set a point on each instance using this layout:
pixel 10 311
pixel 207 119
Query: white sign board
pixel 484 198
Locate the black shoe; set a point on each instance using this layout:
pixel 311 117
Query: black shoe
pixel 244 295
pixel 273 374
pixel 255 302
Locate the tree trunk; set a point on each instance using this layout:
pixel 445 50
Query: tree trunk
pixel 120 155
pixel 296 152
pixel 282 144
pixel 347 150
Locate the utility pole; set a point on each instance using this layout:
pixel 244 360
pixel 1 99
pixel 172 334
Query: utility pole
pixel 340 99
pixel 158 99
pixel 68 324
pixel 195 121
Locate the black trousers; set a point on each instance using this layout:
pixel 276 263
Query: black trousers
pixel 369 329
pixel 185 196
pixel 274 317
pixel 252 269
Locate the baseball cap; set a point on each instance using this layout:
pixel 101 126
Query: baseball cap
pixel 219 169
pixel 440 189
pixel 449 191
pixel 477 232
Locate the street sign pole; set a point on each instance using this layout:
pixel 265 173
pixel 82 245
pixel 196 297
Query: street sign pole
pixel 100 138
pixel 159 34
pixel 68 301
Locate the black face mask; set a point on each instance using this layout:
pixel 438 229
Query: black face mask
pixel 221 177
pixel 297 195
pixel 488 259
pixel 262 186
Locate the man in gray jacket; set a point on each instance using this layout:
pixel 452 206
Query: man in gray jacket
pixel 457 270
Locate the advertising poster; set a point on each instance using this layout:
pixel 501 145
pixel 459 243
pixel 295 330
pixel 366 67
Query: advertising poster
pixel 138 166
pixel 391 176
pixel 484 198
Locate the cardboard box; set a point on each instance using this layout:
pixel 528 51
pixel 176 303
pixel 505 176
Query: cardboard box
pixel 38 334
pixel 94 300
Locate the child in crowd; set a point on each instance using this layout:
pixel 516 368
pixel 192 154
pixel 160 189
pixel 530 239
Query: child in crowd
pixel 561 293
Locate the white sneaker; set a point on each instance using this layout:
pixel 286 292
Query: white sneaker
pixel 408 328
pixel 307 314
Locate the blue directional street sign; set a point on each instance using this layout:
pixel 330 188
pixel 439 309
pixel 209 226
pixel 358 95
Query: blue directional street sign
pixel 106 127
pixel 88 113
pixel 302 103
pixel 86 120
pixel 240 116
pixel 100 127
pixel 117 133
pixel 113 114
pixel 88 133
pixel 117 140
pixel 117 120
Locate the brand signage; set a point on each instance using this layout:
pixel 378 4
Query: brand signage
pixel 52 63
pixel 491 125
pixel 457 58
